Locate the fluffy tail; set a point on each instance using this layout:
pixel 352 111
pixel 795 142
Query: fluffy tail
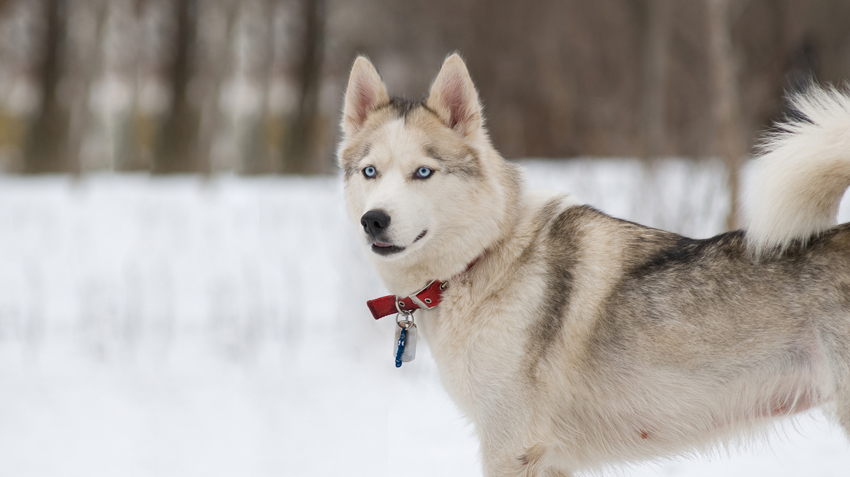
pixel 802 172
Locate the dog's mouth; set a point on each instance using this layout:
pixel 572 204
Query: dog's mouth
pixel 384 248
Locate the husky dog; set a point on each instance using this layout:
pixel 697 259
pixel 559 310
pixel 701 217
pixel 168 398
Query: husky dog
pixel 572 339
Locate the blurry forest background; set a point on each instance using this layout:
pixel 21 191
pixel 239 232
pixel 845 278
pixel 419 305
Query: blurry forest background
pixel 255 86
pixel 203 315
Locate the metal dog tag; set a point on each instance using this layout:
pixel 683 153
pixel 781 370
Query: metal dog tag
pixel 405 342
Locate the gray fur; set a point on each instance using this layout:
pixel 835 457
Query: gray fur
pixel 562 254
pixel 404 107
pixel 463 161
pixel 351 159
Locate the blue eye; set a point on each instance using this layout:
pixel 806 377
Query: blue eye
pixel 424 173
pixel 370 172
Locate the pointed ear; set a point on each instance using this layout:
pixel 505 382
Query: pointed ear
pixel 365 92
pixel 454 99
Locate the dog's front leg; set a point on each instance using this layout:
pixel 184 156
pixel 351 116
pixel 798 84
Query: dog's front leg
pixel 513 463
pixel 505 465
pixel 502 458
pixel 516 467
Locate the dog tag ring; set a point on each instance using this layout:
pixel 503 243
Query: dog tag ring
pixel 405 339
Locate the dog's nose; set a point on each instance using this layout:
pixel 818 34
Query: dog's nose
pixel 375 221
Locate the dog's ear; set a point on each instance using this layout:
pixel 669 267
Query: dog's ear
pixel 365 92
pixel 454 99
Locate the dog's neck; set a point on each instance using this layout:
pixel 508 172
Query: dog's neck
pixel 403 279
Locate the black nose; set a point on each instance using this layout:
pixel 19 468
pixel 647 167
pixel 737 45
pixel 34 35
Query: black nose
pixel 375 221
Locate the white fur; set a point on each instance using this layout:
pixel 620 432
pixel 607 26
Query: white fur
pixel 799 179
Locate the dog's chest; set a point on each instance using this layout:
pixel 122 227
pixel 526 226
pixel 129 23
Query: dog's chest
pixel 476 352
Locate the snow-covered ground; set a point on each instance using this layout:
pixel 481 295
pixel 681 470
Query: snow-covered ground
pixel 217 327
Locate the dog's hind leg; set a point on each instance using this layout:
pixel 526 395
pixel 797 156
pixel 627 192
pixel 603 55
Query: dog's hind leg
pixel 835 338
pixel 841 401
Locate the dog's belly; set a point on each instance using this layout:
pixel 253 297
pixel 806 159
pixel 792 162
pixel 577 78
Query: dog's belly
pixel 649 433
pixel 632 414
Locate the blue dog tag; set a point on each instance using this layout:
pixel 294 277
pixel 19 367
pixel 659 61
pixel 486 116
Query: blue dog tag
pixel 405 342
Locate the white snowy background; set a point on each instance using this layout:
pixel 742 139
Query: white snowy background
pixel 217 327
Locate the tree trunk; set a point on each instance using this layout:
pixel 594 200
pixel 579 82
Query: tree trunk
pixel 301 140
pixel 727 115
pixel 46 149
pixel 177 148
pixel 251 130
pixel 653 102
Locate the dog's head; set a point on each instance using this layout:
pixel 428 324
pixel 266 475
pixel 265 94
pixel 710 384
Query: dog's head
pixel 423 184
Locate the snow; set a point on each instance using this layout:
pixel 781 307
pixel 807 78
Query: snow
pixel 188 326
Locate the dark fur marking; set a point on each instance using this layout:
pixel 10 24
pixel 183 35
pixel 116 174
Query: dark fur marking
pixel 349 169
pixel 465 163
pixel 546 214
pixel 469 166
pixel 844 290
pixel 432 153
pixel 404 106
pixel 562 246
pixel 685 252
pixel 351 160
pixel 704 292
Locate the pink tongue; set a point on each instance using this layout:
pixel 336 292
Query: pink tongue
pixel 382 244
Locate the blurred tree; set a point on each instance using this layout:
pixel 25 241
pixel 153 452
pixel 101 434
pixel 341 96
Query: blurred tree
pixel 731 145
pixel 302 139
pixel 257 67
pixel 120 71
pixel 653 120
pixel 85 64
pixel 218 61
pixel 177 144
pixel 243 85
pixel 46 149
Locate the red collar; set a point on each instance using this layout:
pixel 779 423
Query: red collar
pixel 426 298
